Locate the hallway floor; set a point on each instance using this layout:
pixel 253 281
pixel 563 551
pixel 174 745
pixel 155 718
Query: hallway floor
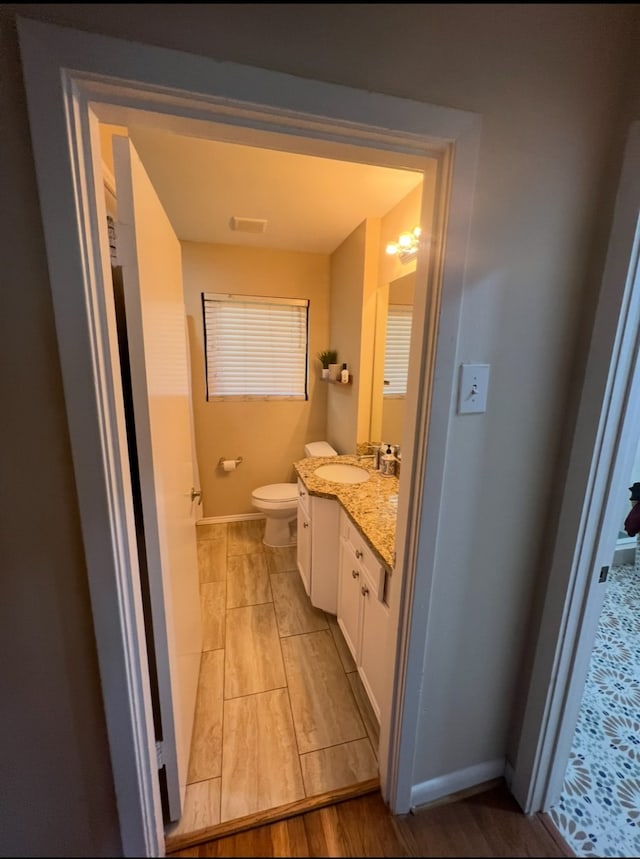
pixel 485 823
pixel 281 713
pixel 598 813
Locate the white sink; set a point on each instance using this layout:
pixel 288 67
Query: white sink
pixel 342 472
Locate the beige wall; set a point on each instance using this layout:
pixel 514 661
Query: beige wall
pixel 403 288
pixel 269 435
pixel 354 272
pixel 556 85
pixel 403 218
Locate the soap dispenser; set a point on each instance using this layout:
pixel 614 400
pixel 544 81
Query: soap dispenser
pixel 344 375
pixel 388 463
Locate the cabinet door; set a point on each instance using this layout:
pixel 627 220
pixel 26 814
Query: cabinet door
pixel 349 599
pixel 304 548
pixel 325 553
pixel 372 664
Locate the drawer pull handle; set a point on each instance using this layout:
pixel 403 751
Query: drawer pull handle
pixel 364 590
pixel 358 554
pixel 354 574
pixel 305 524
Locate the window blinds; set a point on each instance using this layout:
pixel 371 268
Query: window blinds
pixel 396 356
pixel 255 347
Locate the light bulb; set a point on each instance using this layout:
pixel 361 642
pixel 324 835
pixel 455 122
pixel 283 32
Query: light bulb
pixel 406 246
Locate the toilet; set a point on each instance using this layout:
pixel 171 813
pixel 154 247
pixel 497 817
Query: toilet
pixel 279 502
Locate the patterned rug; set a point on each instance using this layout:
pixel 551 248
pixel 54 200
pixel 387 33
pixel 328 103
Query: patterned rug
pixel 599 810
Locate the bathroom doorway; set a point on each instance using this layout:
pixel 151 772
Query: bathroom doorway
pixel 259 625
pixel 234 102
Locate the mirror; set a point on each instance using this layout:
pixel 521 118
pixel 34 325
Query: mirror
pixel 391 358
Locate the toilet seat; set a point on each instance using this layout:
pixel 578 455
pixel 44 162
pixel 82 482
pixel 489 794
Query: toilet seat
pixel 277 493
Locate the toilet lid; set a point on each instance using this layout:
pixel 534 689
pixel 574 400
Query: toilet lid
pixel 277 492
pixel 319 448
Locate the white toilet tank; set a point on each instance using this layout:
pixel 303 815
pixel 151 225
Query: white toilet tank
pixel 319 448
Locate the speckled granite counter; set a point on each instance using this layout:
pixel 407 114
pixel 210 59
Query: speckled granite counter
pixel 372 505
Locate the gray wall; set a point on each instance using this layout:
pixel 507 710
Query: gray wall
pixel 56 789
pixel 551 82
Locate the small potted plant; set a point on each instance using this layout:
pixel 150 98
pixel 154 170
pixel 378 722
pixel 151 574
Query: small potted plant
pixel 327 358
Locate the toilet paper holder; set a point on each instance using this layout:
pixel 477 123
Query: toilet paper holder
pixel 223 459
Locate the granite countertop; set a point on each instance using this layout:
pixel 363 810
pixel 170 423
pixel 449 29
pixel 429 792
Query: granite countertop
pixel 372 505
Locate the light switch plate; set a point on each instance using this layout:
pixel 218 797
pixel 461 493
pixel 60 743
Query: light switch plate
pixel 474 384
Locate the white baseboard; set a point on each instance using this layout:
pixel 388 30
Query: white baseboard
pixel 238 517
pixel 625 552
pixel 437 788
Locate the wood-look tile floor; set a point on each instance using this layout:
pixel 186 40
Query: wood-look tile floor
pixel 281 714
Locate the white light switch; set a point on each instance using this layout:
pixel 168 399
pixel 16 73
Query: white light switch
pixel 474 384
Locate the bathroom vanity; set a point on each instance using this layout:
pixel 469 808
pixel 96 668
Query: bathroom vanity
pixel 346 535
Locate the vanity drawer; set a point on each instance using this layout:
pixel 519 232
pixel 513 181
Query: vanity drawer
pixel 353 539
pixel 303 497
pixel 348 531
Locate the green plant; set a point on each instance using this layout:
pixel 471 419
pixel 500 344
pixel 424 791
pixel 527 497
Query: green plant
pixel 329 356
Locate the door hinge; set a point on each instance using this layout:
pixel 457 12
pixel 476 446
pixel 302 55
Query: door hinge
pixel 394 561
pixel 604 572
pixel 113 243
pixel 160 754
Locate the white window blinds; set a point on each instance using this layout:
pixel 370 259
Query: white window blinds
pixel 396 355
pixel 256 348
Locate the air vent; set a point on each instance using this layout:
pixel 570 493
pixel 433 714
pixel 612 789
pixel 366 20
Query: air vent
pixel 248 225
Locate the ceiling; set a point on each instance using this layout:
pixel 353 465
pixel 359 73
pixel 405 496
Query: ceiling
pixel 310 203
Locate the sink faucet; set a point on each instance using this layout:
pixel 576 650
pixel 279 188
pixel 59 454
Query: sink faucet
pixel 374 457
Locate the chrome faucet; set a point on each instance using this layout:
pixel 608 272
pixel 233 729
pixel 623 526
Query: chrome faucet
pixel 374 457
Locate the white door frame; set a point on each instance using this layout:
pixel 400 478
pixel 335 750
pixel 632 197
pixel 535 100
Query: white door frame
pixel 599 467
pixel 74 78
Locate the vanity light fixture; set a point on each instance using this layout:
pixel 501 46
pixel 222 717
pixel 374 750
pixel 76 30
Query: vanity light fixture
pixel 407 245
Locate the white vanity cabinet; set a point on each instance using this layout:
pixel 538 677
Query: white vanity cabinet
pixel 318 548
pixel 363 616
pixel 304 538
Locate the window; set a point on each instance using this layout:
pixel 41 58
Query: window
pixel 396 353
pixel 255 347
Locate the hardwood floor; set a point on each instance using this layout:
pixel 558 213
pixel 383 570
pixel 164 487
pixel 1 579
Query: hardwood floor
pixel 281 714
pixel 485 823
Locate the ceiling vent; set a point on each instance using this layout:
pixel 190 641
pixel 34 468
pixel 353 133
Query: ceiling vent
pixel 248 225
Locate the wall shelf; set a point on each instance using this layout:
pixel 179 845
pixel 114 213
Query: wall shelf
pixel 337 381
